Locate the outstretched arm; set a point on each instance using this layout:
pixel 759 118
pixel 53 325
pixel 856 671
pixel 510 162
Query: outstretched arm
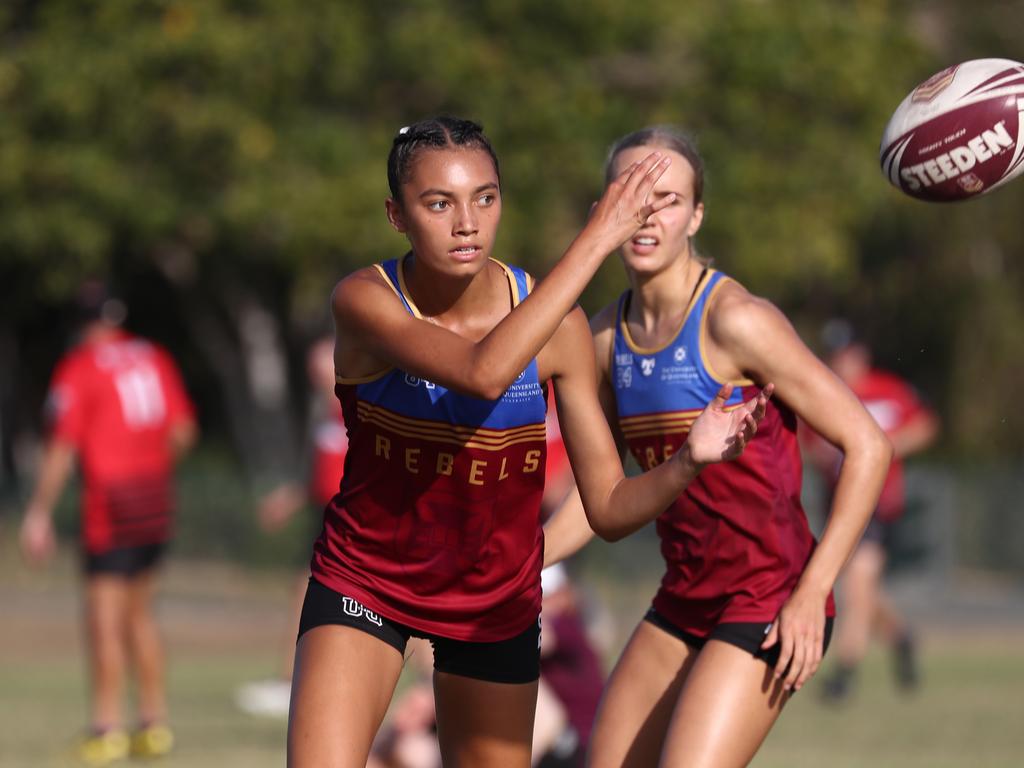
pixel 615 505
pixel 374 331
pixel 762 344
pixel 567 531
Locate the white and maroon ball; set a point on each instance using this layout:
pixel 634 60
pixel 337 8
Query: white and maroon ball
pixel 959 134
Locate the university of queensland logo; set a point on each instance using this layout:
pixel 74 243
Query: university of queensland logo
pixel 647 365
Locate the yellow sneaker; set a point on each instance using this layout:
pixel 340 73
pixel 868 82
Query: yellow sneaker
pixel 152 741
pixel 103 748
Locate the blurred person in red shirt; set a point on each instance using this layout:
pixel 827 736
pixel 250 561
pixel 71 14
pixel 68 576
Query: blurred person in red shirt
pixel 911 427
pixel 118 405
pixel 329 446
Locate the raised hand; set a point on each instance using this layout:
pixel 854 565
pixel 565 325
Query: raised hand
pixel 721 435
pixel 625 205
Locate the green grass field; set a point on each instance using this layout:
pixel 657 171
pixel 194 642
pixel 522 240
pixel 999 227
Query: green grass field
pixel 224 625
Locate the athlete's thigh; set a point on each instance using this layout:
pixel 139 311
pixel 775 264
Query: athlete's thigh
pixel 637 703
pixel 106 598
pixel 481 724
pixel 727 706
pixel 341 687
pixel 141 588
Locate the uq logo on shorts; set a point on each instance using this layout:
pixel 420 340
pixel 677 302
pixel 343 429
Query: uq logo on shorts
pixel 355 609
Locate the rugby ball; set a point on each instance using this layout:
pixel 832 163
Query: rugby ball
pixel 959 134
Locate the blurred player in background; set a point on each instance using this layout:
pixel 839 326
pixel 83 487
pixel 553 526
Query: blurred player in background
pixel 911 427
pixel 116 403
pixel 744 611
pixel 327 463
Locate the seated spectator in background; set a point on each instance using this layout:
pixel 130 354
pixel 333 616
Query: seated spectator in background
pixel 570 670
pixel 570 688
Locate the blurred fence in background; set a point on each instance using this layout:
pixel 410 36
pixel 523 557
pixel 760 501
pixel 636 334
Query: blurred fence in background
pixel 960 520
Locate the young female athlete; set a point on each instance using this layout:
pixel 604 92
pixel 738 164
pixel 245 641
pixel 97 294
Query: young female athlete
pixel 441 358
pixel 746 594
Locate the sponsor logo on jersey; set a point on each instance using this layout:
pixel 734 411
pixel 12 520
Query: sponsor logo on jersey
pixel 647 365
pixel 679 355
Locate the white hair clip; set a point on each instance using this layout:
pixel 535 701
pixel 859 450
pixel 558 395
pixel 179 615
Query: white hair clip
pixel 403 130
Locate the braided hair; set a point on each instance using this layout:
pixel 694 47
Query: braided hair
pixel 433 133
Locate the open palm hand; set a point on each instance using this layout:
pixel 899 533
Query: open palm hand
pixel 721 434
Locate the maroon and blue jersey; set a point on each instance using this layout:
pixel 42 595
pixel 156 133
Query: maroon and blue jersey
pixel 437 523
pixel 736 540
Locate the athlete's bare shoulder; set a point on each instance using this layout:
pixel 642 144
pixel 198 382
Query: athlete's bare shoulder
pixel 738 317
pixel 357 292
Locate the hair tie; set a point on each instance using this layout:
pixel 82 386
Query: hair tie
pixel 403 130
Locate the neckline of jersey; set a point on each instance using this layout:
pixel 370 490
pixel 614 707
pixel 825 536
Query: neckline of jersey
pixel 698 288
pixel 513 286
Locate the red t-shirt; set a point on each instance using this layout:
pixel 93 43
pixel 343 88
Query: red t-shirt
pixel 330 446
pixel 558 459
pixel 892 403
pixel 116 401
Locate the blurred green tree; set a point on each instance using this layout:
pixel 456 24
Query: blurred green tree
pixel 223 162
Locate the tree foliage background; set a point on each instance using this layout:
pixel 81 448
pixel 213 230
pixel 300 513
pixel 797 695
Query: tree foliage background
pixel 222 163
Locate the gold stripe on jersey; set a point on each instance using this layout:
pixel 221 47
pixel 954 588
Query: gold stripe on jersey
pixel 487 439
pixel 411 421
pixel 513 285
pixel 362 379
pixel 405 289
pixel 661 429
pixel 387 279
pixel 703 341
pixel 645 418
pixel 652 424
pixel 659 424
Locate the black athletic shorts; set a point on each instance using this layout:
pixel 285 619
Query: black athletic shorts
pixel 745 635
pixel 516 660
pixel 123 561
